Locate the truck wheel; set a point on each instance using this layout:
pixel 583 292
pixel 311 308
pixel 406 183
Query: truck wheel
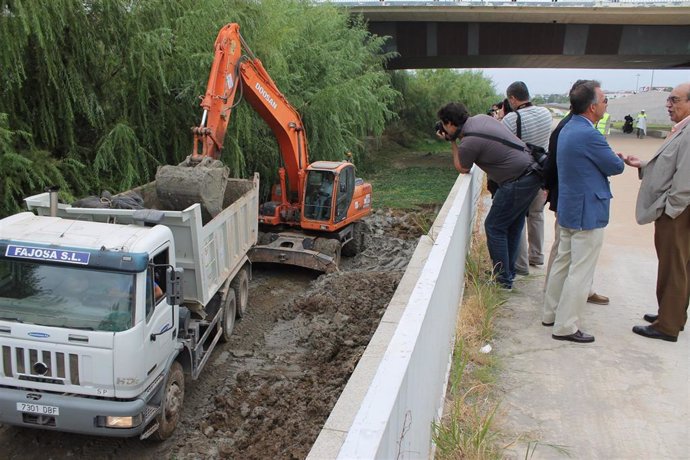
pixel 227 322
pixel 240 284
pixel 173 399
pixel 356 244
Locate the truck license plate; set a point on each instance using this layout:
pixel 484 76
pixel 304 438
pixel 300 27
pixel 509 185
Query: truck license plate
pixel 38 409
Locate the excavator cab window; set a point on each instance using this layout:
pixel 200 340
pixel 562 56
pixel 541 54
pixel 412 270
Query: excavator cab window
pixel 319 195
pixel 346 189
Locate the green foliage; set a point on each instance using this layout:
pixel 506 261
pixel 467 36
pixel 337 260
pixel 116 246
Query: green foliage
pixel 551 99
pixel 426 91
pixel 407 179
pixel 121 161
pixel 108 89
pixel 25 167
pixel 413 188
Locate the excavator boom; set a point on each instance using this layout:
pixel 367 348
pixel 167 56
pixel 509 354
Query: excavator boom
pixel 235 68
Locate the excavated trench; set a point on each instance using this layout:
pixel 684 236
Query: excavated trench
pixel 267 392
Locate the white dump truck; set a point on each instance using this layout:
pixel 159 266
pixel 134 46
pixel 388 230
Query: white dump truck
pixel 102 311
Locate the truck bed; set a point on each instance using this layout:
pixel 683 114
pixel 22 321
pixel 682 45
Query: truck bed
pixel 210 252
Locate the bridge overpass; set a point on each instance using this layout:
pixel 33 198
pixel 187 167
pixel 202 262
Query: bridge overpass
pixel 531 34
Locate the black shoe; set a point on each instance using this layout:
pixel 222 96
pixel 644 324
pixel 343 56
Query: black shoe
pixel 578 337
pixel 546 324
pixel 651 318
pixel 650 332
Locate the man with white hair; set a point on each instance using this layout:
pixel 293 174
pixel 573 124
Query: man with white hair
pixel 664 199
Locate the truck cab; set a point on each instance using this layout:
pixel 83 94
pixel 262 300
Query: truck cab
pixel 79 315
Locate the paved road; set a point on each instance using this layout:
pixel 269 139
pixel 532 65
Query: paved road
pixel 622 397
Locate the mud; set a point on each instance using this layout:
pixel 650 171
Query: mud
pixel 179 187
pixel 267 392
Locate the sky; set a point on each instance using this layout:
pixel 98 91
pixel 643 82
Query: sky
pixel 559 81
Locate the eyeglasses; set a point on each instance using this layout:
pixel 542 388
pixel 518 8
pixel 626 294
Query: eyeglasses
pixel 606 100
pixel 674 99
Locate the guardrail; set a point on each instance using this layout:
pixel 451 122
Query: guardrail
pixel 397 389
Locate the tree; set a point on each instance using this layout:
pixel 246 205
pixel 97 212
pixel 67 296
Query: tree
pixel 97 93
pixel 425 91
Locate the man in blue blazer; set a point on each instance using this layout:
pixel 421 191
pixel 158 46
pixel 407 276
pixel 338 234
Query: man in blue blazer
pixel 585 161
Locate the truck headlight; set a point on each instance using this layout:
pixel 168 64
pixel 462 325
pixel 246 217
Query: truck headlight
pixel 123 422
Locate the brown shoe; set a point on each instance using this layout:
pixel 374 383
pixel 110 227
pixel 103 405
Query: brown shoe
pixel 598 299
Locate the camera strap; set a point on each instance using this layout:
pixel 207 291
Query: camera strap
pixel 538 154
pixel 497 139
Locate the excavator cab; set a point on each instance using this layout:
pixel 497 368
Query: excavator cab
pixel 329 189
pixel 318 199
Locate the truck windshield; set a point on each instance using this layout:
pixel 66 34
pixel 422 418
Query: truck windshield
pixel 79 298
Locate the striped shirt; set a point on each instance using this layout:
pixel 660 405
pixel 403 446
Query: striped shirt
pixel 536 125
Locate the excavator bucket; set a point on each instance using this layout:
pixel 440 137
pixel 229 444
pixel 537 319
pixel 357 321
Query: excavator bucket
pixel 204 182
pixel 320 254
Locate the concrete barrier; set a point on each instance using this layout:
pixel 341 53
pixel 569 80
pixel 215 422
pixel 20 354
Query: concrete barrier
pixel 397 389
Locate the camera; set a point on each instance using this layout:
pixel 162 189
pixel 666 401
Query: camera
pixel 439 127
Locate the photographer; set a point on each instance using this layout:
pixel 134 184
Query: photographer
pixel 510 167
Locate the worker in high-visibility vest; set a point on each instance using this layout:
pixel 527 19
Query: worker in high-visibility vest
pixel 604 125
pixel 641 124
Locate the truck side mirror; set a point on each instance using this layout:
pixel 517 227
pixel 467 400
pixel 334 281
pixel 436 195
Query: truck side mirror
pixel 174 285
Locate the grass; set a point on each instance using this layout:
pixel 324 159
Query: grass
pixel 412 188
pixel 467 429
pixel 411 179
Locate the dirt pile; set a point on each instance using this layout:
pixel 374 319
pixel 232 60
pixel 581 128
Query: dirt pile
pixel 285 391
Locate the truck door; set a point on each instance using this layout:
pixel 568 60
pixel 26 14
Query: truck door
pixel 160 325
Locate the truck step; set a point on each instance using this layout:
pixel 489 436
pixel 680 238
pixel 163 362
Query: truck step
pixel 149 414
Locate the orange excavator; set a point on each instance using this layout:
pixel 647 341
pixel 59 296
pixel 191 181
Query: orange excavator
pixel 316 209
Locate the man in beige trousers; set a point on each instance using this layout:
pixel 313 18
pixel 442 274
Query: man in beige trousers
pixel 585 162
